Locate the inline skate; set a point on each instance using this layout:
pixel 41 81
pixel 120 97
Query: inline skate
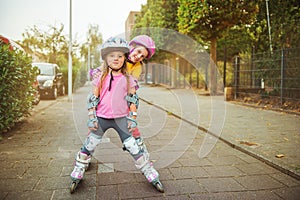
pixel 81 164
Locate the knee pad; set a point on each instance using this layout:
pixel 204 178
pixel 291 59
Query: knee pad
pixel 91 142
pixel 140 156
pixel 131 146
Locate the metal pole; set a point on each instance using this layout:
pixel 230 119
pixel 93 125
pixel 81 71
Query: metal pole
pixel 224 67
pixel 92 57
pixel 282 76
pixel 177 82
pixel 269 26
pixel 70 57
pixel 89 62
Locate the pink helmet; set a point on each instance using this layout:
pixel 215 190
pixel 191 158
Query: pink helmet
pixel 145 41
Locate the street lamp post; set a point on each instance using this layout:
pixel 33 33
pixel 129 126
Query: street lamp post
pixel 70 57
pixel 89 62
pixel 92 57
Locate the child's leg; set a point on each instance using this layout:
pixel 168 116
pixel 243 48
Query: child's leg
pixel 140 156
pixel 136 133
pixel 83 157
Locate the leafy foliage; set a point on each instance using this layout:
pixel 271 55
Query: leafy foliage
pixel 209 19
pixel 16 88
pixel 51 46
pixel 94 40
pixel 284 25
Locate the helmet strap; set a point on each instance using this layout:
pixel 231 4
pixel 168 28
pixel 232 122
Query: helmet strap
pixel 111 76
pixel 110 81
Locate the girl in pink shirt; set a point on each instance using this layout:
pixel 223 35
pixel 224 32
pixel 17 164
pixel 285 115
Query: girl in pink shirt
pixel 113 95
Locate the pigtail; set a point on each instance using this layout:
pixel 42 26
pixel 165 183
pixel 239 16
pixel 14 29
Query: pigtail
pixel 102 78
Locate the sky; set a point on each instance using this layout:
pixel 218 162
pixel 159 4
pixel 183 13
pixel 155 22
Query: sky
pixel 17 16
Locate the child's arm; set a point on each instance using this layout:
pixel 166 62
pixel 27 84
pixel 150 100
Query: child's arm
pixel 93 100
pixel 133 105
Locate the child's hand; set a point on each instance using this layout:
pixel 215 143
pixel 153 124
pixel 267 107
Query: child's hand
pixel 93 124
pixel 132 124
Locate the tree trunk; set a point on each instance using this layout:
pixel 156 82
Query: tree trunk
pixel 213 66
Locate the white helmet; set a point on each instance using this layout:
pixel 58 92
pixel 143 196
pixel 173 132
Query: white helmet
pixel 114 44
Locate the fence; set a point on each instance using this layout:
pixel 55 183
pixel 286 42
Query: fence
pixel 275 75
pixel 176 73
pixel 265 75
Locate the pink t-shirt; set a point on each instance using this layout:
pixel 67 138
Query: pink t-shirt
pixel 113 103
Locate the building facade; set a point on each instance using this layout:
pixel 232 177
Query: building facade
pixel 130 22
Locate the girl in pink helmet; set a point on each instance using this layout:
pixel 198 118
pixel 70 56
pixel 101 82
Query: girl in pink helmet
pixel 141 47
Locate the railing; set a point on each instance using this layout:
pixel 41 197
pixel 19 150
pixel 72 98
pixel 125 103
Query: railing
pixel 275 75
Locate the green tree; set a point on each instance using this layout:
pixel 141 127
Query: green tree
pixel 157 14
pixel 284 25
pixel 47 45
pixel 52 46
pixel 94 40
pixel 208 20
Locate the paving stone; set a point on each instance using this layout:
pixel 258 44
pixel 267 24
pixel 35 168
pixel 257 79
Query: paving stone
pixel 12 185
pixel 249 195
pixel 42 172
pixel 188 172
pixel 171 197
pixel 256 168
pixel 3 195
pixel 225 160
pixel 292 193
pixel 29 195
pixel 116 178
pixel 221 184
pixel 105 168
pixel 259 182
pixel 137 190
pixel 285 179
pixel 194 162
pixel 86 193
pixel 223 171
pixel 183 186
pixel 108 192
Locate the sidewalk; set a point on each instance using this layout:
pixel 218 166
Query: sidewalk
pixel 270 136
pixel 37 155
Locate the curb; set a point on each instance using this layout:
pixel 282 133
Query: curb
pixel 237 147
pixel 264 108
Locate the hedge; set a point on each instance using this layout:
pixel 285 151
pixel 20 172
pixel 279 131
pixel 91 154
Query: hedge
pixel 16 86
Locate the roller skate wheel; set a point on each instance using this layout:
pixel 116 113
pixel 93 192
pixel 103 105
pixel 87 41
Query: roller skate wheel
pixel 159 187
pixel 73 187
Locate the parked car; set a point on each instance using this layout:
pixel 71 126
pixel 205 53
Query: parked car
pixel 36 94
pixel 50 79
pixel 13 46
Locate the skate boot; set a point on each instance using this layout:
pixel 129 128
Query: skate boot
pixel 82 162
pixel 143 148
pixel 152 176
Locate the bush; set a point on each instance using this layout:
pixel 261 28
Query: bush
pixel 16 86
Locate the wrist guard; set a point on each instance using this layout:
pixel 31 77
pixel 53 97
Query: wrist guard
pixel 132 98
pixel 133 122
